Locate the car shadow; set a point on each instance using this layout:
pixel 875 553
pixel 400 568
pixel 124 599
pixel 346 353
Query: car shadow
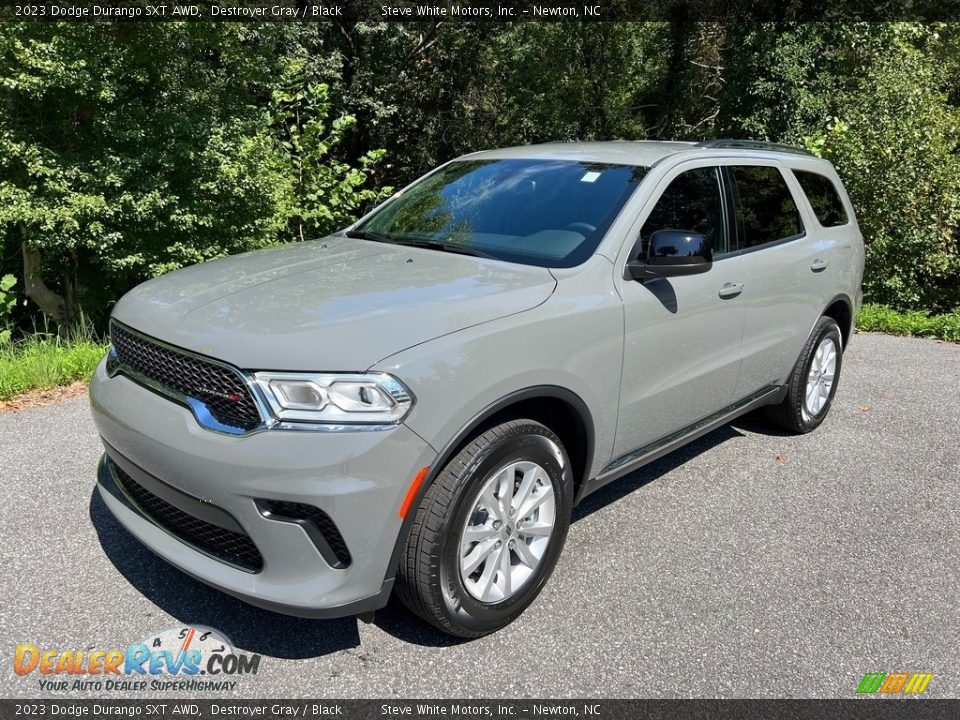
pixel 648 473
pixel 282 636
pixel 396 620
pixel 193 603
pixel 755 423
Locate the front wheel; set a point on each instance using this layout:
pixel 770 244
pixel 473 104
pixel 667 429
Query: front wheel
pixel 489 531
pixel 813 382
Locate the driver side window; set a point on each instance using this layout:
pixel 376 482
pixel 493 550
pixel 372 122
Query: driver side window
pixel 692 201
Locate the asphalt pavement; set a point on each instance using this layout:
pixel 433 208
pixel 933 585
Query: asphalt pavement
pixel 749 564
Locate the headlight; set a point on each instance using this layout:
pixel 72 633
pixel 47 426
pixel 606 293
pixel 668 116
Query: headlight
pixel 331 399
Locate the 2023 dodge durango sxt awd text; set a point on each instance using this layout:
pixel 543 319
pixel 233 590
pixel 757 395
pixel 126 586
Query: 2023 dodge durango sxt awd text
pixel 417 403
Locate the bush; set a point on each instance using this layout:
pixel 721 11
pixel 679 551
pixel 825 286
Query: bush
pixel 879 318
pixel 896 149
pixel 164 149
pixel 325 194
pixel 7 301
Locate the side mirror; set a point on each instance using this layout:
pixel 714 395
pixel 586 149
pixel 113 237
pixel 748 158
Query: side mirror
pixel 673 253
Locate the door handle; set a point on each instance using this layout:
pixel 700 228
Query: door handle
pixel 818 265
pixel 730 290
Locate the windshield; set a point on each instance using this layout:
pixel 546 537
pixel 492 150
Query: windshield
pixel 551 213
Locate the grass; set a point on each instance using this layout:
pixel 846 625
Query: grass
pixel 879 318
pixel 42 360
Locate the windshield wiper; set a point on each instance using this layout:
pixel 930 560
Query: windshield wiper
pixel 444 247
pixel 366 235
pixel 421 243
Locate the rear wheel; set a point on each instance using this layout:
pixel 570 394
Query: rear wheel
pixel 813 382
pixel 489 531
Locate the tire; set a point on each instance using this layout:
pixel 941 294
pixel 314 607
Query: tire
pixel 431 579
pixel 795 413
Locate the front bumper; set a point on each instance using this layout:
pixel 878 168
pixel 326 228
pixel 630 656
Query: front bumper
pixel 358 479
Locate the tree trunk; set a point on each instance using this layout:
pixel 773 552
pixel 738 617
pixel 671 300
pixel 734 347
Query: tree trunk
pixel 52 304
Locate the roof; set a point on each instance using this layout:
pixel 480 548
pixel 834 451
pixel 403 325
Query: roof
pixel 618 152
pixel 637 152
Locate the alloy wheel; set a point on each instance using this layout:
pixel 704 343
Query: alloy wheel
pixel 507 531
pixel 823 369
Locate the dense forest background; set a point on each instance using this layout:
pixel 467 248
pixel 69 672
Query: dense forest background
pixel 127 150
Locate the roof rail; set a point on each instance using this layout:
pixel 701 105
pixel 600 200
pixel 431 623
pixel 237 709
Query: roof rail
pixel 754 145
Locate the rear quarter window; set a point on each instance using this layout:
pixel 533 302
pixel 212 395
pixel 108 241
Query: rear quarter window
pixel 823 197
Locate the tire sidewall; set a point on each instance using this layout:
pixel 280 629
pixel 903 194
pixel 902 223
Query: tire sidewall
pixel 829 329
pixel 525 443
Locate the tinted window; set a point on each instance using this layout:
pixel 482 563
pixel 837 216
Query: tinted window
pixel 692 201
pixel 823 198
pixel 551 213
pixel 766 211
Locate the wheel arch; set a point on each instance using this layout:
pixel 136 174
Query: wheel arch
pixel 560 409
pixel 840 308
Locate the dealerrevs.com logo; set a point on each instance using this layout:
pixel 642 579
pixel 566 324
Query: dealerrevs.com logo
pixel 897 683
pixel 185 659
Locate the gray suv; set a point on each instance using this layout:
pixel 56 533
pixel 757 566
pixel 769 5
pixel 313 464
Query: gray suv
pixel 417 403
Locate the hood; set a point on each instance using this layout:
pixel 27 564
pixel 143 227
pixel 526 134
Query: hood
pixel 336 304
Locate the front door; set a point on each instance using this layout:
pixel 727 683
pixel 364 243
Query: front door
pixel 682 334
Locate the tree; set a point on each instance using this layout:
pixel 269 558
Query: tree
pixel 876 99
pixel 128 150
pixel 325 193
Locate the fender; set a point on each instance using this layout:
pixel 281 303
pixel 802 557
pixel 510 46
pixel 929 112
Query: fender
pixel 853 318
pixel 530 393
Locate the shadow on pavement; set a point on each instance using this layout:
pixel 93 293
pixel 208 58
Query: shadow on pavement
pixel 755 423
pixel 193 603
pixel 397 621
pixel 402 624
pixel 648 473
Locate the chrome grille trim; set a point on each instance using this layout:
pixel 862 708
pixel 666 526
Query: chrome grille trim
pixel 207 415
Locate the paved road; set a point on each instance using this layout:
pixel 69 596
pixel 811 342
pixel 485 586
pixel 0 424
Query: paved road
pixel 719 571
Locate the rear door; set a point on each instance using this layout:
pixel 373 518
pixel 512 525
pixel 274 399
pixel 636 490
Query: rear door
pixel 789 271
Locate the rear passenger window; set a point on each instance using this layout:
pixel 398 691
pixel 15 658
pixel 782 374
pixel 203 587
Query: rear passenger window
pixel 823 197
pixel 766 211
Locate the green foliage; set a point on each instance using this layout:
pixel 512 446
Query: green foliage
pixel 896 147
pixel 423 90
pixel 553 81
pixel 150 160
pixel 879 318
pixel 876 100
pixel 782 80
pixel 44 360
pixel 128 150
pixel 326 192
pixel 7 301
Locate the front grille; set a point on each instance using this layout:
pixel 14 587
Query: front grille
pixel 232 547
pixel 284 510
pixel 221 389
